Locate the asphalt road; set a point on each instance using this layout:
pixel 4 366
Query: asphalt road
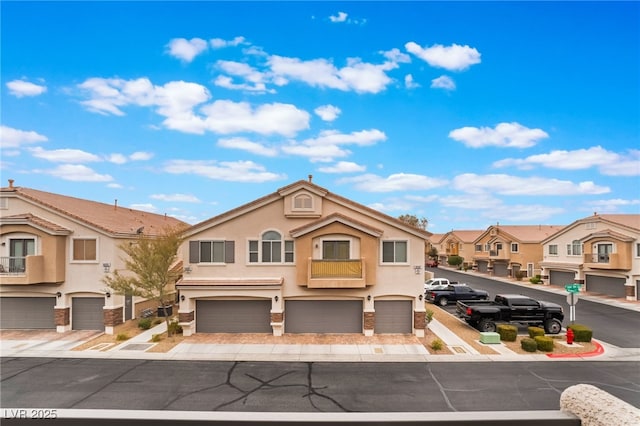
pixel 610 324
pixel 304 386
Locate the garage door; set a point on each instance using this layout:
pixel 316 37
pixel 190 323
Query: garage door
pixel 393 316
pixel 561 278
pixel 27 312
pixel 482 267
pixel 87 313
pixel 500 269
pixel 233 316
pixel 323 316
pixel 605 285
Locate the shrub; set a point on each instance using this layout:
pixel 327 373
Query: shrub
pixel 156 337
pixel 529 344
pixel 455 260
pixel 535 331
pixel 581 333
pixel 437 345
pixel 429 316
pixel 544 343
pixel 144 323
pixel 122 336
pixel 508 332
pixel 174 328
pixel 535 280
pixel 520 275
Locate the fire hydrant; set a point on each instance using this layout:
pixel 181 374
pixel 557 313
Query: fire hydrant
pixel 569 336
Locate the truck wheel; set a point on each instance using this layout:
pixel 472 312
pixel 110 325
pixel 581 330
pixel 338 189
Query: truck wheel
pixel 487 326
pixel 443 301
pixel 552 326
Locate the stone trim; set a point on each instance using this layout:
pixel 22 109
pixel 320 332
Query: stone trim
pixel 369 320
pixel 62 316
pixel 186 316
pixel 112 317
pixel 419 320
pixel 277 317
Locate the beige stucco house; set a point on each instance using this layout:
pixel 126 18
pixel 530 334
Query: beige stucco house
pixel 459 243
pixel 502 250
pixel 54 253
pixel 602 252
pixel 303 260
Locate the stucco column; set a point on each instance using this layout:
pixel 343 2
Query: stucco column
pixel 186 316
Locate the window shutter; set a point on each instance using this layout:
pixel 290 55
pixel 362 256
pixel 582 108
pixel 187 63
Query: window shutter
pixel 229 251
pixel 194 251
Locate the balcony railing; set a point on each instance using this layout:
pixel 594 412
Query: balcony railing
pixel 599 258
pixel 607 261
pixel 13 265
pixel 336 268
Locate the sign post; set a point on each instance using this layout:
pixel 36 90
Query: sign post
pixel 572 299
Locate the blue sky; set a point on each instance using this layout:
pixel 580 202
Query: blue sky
pixel 466 114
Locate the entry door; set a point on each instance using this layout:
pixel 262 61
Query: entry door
pixel 604 250
pixel 18 250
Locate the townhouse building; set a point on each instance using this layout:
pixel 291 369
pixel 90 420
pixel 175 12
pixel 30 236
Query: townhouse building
pixel 601 252
pixel 459 243
pixel 303 260
pixel 54 253
pixel 503 251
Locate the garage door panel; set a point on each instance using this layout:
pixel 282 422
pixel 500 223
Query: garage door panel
pixel 393 316
pixel 87 313
pixel 611 286
pixel 323 316
pixel 561 278
pixel 500 269
pixel 27 312
pixel 233 316
pixel 483 266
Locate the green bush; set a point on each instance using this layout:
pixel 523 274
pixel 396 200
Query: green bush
pixel 437 345
pixel 122 336
pixel 455 260
pixel 528 344
pixel 156 337
pixel 174 328
pixel 429 316
pixel 535 331
pixel 520 275
pixel 535 280
pixel 544 343
pixel 581 333
pixel 508 332
pixel 144 323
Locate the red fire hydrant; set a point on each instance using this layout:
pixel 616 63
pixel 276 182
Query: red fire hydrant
pixel 569 336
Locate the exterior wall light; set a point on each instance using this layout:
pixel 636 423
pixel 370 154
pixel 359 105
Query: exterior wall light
pixel 276 298
pixel 108 294
pixel 417 269
pixel 107 267
pixel 58 295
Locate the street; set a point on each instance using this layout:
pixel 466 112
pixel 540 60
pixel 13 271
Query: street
pixel 305 386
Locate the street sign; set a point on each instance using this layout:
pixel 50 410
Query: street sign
pixel 572 288
pixel 572 299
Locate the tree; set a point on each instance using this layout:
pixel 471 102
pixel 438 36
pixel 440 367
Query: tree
pixel 148 269
pixel 455 260
pixel 412 220
pixel 433 253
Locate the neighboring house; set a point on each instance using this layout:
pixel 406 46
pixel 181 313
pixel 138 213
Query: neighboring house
pixel 600 251
pixel 54 252
pixel 459 243
pixel 303 260
pixel 435 243
pixel 502 251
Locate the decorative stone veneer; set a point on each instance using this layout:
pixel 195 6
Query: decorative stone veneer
pixel 113 317
pixel 186 316
pixel 62 316
pixel 369 320
pixel 277 317
pixel 420 320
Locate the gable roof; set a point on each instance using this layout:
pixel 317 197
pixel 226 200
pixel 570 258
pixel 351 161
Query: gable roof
pixel 523 233
pixel 108 218
pixel 36 222
pixel 333 218
pixel 325 193
pixel 628 221
pixel 436 238
pixel 466 236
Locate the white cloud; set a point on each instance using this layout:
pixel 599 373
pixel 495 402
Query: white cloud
pixel 608 162
pixel 21 88
pixel 327 112
pixel 340 17
pixel 522 213
pixel 238 171
pixel 615 205
pixel 247 145
pixel 409 83
pixel 394 182
pixel 256 79
pixel 186 50
pixel 443 82
pixel 510 135
pixel 218 43
pixel 343 167
pixel 453 58
pixel 64 155
pixel 315 153
pixel 144 207
pixel 14 138
pixel 470 201
pixel 392 206
pixel 117 158
pixel 140 156
pixel 76 173
pixel 514 185
pixel 183 198
pixel 396 56
pixel 326 147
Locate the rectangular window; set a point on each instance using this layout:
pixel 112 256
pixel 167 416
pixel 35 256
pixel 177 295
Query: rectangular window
pixel 553 249
pixel 514 248
pixel 271 251
pixel 288 251
pixel 253 251
pixel 637 249
pixel 487 247
pixel 212 251
pixel 85 249
pixel 336 250
pixel 394 251
pixel 478 247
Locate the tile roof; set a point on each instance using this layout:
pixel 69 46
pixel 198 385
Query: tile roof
pixel 36 221
pixel 109 218
pixel 529 233
pixel 630 220
pixel 467 236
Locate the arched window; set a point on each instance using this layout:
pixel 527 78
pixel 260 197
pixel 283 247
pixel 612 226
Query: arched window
pixel 270 249
pixel 302 201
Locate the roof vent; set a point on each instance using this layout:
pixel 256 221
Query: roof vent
pixel 11 183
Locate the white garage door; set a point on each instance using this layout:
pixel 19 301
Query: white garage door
pixel 323 316
pixel 610 286
pixel 393 316
pixel 27 312
pixel 87 313
pixel 233 316
pixel 561 278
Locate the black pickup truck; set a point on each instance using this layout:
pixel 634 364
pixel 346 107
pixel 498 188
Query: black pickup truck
pixel 511 308
pixel 453 293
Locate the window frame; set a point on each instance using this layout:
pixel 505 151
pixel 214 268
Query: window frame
pixel 517 248
pixel 256 250
pixel 72 253
pixel 553 252
pixel 395 252
pixel 212 259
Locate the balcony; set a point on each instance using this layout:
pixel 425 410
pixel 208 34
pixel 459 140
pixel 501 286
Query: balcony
pixel 498 254
pixel 607 261
pixel 336 273
pixel 18 270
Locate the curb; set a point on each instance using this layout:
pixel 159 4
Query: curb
pixel 599 350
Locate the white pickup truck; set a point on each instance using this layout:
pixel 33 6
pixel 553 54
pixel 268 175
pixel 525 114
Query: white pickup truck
pixel 437 284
